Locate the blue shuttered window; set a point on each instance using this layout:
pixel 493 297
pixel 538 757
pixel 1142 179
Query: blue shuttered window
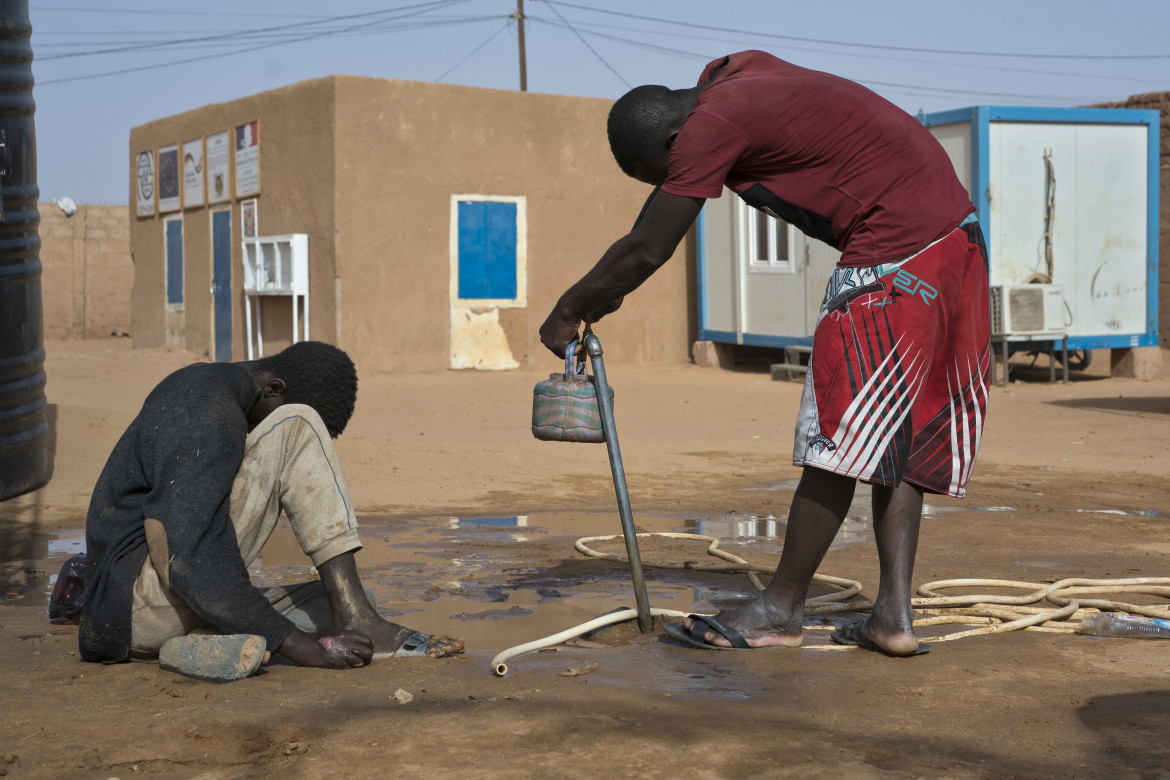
pixel 487 232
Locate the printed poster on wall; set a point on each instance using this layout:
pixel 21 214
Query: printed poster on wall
pixel 248 218
pixel 145 188
pixel 168 179
pixel 248 159
pixel 193 173
pixel 218 153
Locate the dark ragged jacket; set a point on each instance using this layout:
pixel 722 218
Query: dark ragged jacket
pixel 175 463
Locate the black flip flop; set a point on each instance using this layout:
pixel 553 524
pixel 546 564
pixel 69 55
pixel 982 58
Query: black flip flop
pixel 851 634
pixel 695 637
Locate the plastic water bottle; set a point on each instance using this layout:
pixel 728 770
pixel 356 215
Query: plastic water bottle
pixel 1117 624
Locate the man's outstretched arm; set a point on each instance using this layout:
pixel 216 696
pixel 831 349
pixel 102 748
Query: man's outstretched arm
pixel 630 261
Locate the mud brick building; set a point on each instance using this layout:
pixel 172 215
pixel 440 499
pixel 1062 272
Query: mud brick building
pixel 441 223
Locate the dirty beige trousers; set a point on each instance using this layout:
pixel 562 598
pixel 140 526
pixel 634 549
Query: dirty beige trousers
pixel 289 464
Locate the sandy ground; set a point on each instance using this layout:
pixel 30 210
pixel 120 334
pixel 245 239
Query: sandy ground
pixel 1083 467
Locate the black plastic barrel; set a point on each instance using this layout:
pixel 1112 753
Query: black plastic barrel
pixel 24 462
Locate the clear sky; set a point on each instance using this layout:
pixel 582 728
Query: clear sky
pixel 104 66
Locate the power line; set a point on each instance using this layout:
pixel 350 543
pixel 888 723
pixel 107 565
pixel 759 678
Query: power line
pixel 246 33
pixel 472 53
pixel 92 33
pixel 690 55
pixel 144 11
pixel 592 27
pixel 246 50
pixel 581 38
pixel 918 88
pixel 375 28
pixel 952 91
pixel 54 33
pixel 1026 55
pixel 400 18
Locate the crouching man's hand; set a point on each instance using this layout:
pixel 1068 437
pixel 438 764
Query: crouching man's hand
pixel 327 649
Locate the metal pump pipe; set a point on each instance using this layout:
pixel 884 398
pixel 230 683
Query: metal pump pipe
pixel 642 602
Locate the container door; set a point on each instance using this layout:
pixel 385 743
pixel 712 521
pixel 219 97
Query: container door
pixel 762 280
pixel 221 284
pixel 771 295
pixel 718 273
pixel 1069 206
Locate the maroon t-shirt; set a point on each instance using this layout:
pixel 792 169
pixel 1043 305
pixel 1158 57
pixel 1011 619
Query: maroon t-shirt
pixel 822 153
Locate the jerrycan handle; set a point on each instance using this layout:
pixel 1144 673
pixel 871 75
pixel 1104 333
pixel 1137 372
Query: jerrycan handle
pixel 570 354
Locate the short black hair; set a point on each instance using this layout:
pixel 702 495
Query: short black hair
pixel 638 126
pixel 320 375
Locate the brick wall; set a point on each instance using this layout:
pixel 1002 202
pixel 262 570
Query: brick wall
pixel 87 271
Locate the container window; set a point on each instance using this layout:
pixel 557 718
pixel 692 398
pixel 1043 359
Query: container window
pixel 765 243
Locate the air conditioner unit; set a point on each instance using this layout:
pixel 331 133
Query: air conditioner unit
pixel 1029 310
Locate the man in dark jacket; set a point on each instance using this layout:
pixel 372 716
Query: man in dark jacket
pixel 192 491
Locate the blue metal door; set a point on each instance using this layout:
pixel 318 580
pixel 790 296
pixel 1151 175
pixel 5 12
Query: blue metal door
pixel 174 231
pixel 487 250
pixel 221 283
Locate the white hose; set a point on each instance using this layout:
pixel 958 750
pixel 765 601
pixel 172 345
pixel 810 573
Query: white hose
pixel 500 665
pixel 994 614
pixel 848 588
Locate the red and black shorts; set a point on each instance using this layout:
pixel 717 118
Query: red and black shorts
pixel 898 378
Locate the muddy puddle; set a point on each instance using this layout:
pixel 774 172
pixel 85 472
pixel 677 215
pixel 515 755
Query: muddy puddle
pixel 496 581
pixel 503 580
pixel 30 560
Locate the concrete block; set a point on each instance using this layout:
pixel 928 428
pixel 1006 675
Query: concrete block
pixel 788 372
pixel 711 354
pixel 1136 363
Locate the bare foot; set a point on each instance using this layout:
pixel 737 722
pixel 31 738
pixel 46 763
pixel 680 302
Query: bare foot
pixel 760 624
pixel 389 638
pixel 868 634
pixel 353 611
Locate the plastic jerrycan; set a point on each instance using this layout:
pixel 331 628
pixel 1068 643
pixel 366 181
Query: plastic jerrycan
pixel 564 406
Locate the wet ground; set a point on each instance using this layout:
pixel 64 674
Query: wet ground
pixel 1018 705
pixel 476 578
pixel 471 576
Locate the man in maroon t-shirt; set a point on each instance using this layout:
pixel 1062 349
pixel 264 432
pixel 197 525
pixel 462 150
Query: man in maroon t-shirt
pixel 896 391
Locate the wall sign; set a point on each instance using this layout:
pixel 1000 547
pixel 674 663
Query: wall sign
pixel 193 192
pixel 145 183
pixel 249 221
pixel 168 179
pixel 248 159
pixel 218 153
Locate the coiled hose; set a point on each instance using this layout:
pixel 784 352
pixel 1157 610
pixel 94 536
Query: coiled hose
pixel 993 613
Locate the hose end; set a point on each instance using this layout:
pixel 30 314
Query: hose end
pixel 499 670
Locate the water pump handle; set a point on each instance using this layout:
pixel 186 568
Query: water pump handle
pixel 570 354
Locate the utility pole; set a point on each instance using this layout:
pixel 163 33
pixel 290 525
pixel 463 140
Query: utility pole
pixel 519 16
